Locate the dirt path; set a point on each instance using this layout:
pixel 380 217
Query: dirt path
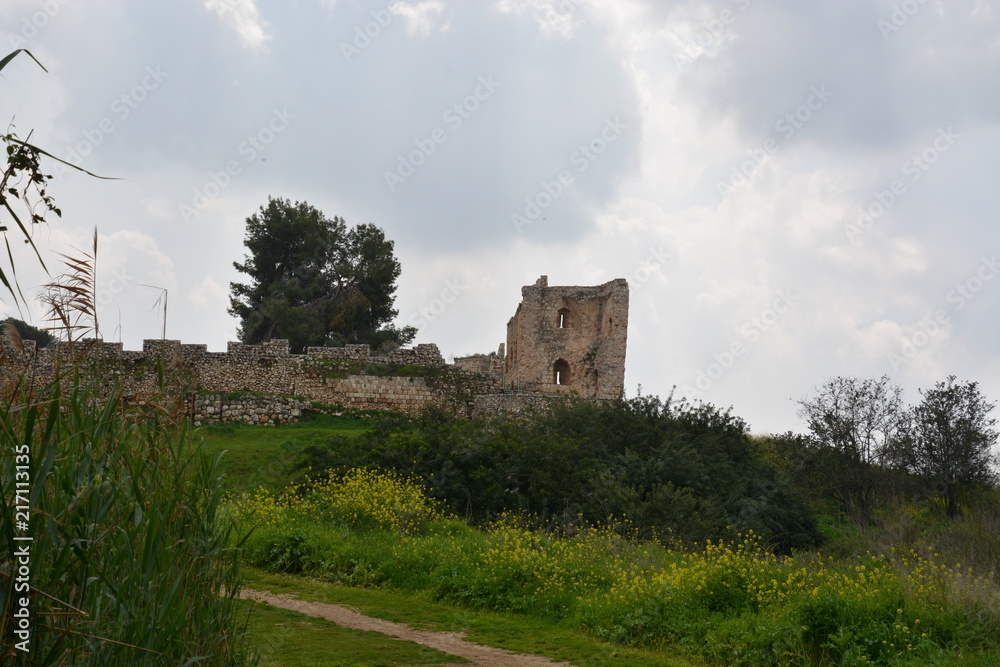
pixel 449 642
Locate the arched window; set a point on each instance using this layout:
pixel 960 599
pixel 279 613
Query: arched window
pixel 560 372
pixel 563 319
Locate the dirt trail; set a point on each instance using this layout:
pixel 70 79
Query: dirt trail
pixel 449 642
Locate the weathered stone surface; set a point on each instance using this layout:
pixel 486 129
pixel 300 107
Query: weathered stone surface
pixel 482 363
pixel 569 339
pixel 577 332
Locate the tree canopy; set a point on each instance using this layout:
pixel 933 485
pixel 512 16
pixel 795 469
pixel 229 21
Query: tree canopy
pixel 865 444
pixel 952 439
pixel 862 422
pixel 316 282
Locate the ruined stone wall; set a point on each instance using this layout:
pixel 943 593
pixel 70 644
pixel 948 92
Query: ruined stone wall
pixel 405 380
pixel 483 363
pixel 569 339
pixel 248 409
pixel 560 340
pixel 511 404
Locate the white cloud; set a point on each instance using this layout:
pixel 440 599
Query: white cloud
pixel 243 17
pixel 159 208
pixel 982 11
pixel 12 8
pixel 418 15
pixel 700 264
pixel 207 292
pixel 555 18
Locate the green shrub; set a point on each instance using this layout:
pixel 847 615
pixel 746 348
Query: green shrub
pixel 358 500
pixel 671 468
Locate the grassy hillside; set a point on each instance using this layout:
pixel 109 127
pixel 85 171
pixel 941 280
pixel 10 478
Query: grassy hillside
pixel 913 588
pixel 258 456
pixel 728 603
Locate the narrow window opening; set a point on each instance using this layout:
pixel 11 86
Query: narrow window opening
pixel 560 372
pixel 563 320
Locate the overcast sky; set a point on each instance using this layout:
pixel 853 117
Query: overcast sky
pixel 794 190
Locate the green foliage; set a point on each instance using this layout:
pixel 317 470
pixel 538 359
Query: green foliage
pixel 670 468
pixel 130 562
pixel 865 447
pixel 24 187
pixel 254 456
pixel 732 603
pixel 953 439
pixel 316 282
pixel 359 500
pixel 860 423
pixel 22 179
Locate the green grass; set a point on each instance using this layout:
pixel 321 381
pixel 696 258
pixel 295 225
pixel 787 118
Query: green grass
pixel 258 456
pixel 508 631
pixel 290 639
pixel 538 593
pixel 434 573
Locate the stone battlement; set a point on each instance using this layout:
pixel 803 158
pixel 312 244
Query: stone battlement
pixel 561 340
pixel 351 376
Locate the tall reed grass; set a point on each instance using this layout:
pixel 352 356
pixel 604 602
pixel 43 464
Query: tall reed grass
pixel 113 550
pixel 130 562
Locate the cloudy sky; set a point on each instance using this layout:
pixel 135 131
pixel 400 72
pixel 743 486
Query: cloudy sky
pixel 793 190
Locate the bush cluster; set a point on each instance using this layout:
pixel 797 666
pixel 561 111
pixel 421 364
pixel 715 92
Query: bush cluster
pixel 670 468
pixel 359 500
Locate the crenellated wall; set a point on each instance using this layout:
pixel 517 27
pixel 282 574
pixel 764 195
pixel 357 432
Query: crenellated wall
pixel 561 340
pixel 406 380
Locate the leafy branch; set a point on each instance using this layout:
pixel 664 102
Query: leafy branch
pixel 23 182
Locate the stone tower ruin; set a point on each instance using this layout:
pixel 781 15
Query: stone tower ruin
pixel 569 339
